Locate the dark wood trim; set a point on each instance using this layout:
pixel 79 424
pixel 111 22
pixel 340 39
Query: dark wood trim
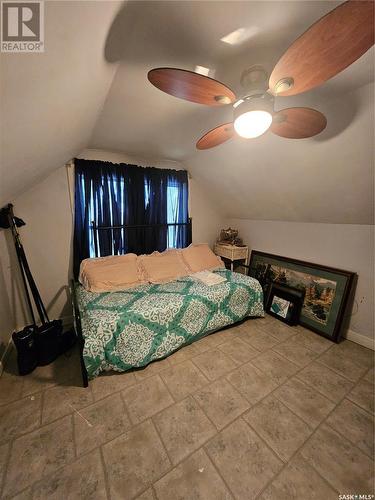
pixel 78 328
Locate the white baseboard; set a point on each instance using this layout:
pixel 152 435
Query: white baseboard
pixel 360 339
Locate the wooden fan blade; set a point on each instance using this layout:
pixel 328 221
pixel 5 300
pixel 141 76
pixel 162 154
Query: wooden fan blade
pixel 216 136
pixel 191 86
pixel 326 48
pixel 298 123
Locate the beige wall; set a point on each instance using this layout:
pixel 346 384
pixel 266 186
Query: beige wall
pixel 7 320
pixel 345 246
pixel 47 238
pixel 47 241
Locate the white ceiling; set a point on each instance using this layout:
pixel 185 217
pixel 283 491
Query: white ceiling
pixel 90 89
pixel 49 102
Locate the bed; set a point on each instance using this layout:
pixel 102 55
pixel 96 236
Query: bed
pixel 128 329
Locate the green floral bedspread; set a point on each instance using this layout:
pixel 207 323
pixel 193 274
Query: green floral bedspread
pixel 128 329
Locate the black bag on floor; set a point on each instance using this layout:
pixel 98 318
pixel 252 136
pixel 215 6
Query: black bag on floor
pixel 27 356
pixel 48 341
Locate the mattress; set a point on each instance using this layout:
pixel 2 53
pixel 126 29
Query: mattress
pixel 129 329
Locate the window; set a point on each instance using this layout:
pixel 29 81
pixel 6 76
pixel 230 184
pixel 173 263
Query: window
pixel 172 214
pixel 150 200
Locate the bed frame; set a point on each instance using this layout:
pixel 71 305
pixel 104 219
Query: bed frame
pixel 78 329
pixel 76 314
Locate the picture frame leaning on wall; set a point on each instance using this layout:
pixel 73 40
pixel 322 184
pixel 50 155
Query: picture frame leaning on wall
pixel 326 289
pixel 285 303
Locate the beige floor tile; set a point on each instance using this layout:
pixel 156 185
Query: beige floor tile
pixel 357 353
pixel 38 454
pixel 183 428
pixel 214 363
pixel 83 480
pixel 147 495
pixel 209 342
pixel 152 369
pixel 134 461
pixel 24 495
pixel 183 354
pixel 42 378
pixel 279 330
pixel 139 455
pixel 299 481
pixel 281 429
pixel 4 450
pixel 10 387
pixel 355 424
pixel 146 398
pixel 307 403
pixel 20 417
pixel 339 360
pixel 253 324
pixel 109 382
pixel 100 423
pixel 370 375
pixel 298 354
pixel 363 394
pixel 194 479
pixel 62 400
pixel 251 382
pixel 243 459
pixel 221 402
pixel 238 350
pixel 237 327
pixel 312 341
pixel 258 339
pixel 345 467
pixel 275 366
pixel 228 334
pixel 268 319
pixel 327 382
pixel 65 367
pixel 183 379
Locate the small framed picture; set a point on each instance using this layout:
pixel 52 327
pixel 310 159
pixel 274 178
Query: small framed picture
pixel 285 303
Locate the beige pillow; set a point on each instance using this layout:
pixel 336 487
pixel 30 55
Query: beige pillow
pixel 107 274
pixel 163 267
pixel 201 257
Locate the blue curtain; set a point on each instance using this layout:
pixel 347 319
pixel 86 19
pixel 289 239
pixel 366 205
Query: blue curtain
pixel 121 194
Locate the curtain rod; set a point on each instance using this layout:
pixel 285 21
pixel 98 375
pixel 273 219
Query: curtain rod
pixel 137 226
pixel 70 164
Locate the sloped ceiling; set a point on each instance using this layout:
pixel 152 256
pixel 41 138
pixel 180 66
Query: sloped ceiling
pixel 70 100
pixel 49 102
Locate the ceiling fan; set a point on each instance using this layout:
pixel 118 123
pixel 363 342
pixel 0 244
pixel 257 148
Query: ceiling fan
pixel 330 45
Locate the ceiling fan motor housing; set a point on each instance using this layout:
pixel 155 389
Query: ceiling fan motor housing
pixel 258 102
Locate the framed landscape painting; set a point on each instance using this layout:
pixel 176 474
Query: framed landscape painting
pixel 326 290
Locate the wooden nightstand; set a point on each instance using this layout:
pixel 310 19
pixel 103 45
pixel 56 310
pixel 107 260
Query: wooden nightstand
pixel 232 253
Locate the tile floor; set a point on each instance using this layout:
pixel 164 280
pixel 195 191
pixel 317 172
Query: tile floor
pixel 259 410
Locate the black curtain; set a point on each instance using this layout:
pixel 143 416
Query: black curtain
pixel 179 178
pixel 121 194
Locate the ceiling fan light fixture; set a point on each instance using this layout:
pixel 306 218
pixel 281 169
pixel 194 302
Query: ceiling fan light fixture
pixel 253 117
pixel 283 85
pixel 253 124
pixel 223 99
